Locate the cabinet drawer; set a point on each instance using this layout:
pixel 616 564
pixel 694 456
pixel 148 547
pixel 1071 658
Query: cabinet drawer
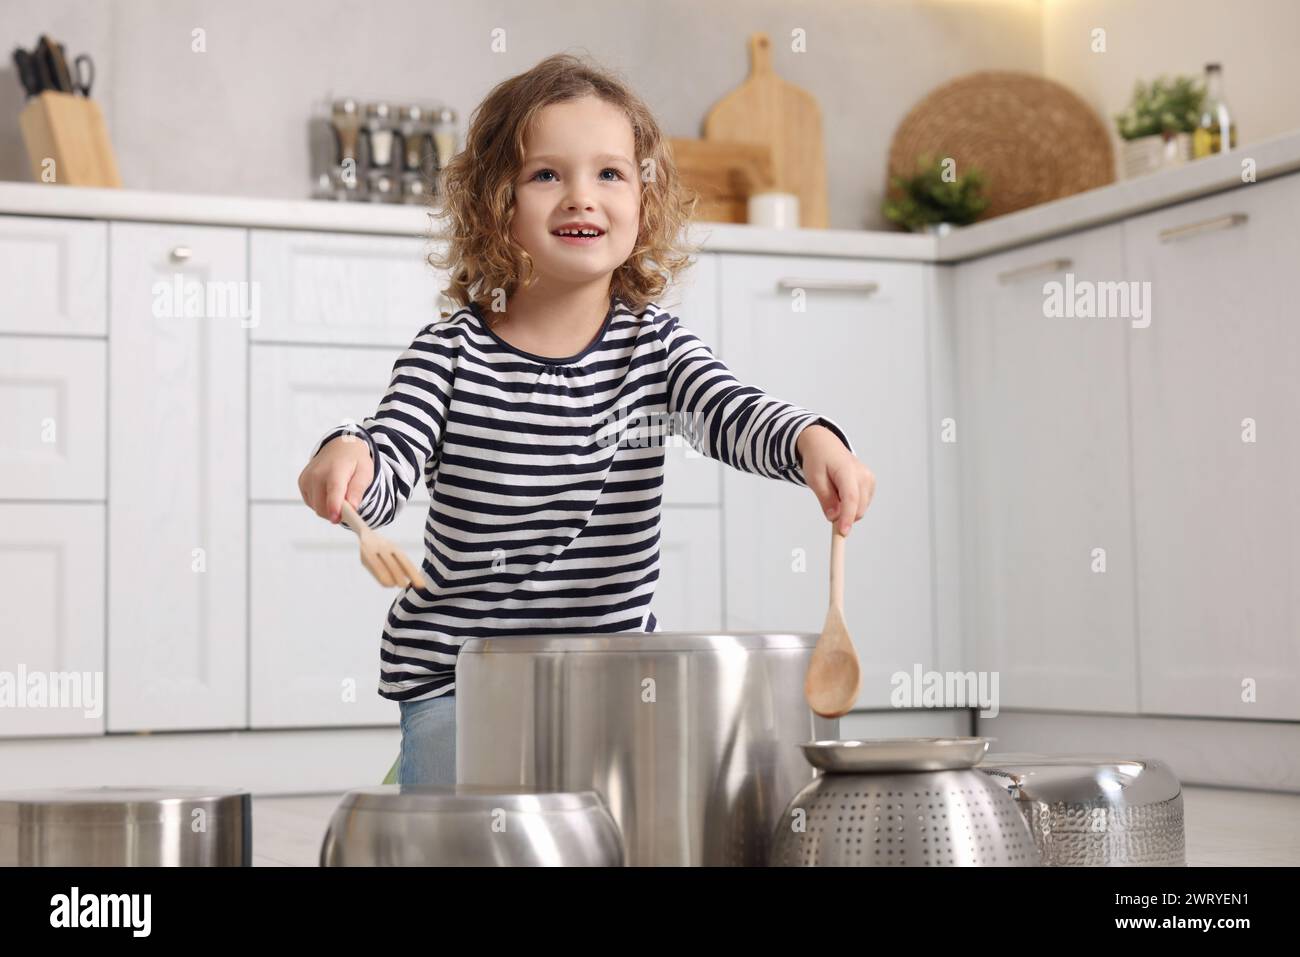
pixel 52 592
pixel 298 393
pixel 317 619
pixel 332 288
pixel 53 276
pixel 52 426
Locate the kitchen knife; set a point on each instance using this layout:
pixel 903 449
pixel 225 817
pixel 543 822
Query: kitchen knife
pixel 25 67
pixel 41 67
pixel 58 65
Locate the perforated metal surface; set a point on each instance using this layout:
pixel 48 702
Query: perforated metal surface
pixel 922 819
pixel 1090 835
pixel 1096 810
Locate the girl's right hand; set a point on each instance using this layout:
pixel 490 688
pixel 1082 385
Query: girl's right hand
pixel 341 469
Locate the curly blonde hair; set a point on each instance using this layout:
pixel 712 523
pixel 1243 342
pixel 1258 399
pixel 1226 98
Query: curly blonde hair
pixel 476 190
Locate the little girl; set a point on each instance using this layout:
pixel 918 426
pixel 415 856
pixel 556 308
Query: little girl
pixel 564 213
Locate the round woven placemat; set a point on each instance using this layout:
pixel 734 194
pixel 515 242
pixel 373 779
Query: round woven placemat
pixel 1033 138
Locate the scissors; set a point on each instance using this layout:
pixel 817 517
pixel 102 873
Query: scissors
pixel 78 84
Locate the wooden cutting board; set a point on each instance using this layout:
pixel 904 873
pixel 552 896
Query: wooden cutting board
pixel 765 109
pixel 724 175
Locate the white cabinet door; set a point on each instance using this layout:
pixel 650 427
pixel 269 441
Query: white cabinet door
pixel 52 399
pixel 688 595
pixel 317 617
pixel 342 288
pixel 1218 517
pixel 856 354
pixel 298 394
pixel 52 274
pixel 691 478
pixel 52 634
pixel 1043 436
pixel 178 500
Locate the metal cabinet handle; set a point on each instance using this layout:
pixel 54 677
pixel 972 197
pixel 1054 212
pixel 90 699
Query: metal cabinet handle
pixel 1020 272
pixel 829 285
pixel 181 254
pixel 1204 226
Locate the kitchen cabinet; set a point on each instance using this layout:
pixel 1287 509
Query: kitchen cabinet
pixel 340 288
pixel 691 478
pixel 858 356
pixel 1078 437
pixel 298 393
pixel 688 595
pixel 177 508
pixel 1042 434
pixel 52 582
pixel 1216 454
pixel 316 618
pixel 52 431
pixel 53 273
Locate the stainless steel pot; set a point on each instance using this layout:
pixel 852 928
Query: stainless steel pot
pixel 391 825
pixel 120 827
pixel 901 802
pixel 692 739
pixel 1095 809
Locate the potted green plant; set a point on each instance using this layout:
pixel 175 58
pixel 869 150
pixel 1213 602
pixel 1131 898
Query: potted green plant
pixel 935 200
pixel 1158 124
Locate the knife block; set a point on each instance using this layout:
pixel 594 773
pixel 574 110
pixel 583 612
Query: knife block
pixel 69 130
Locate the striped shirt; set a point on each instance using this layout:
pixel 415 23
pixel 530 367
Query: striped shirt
pixel 545 487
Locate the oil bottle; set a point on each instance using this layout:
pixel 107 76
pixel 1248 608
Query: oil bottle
pixel 1216 120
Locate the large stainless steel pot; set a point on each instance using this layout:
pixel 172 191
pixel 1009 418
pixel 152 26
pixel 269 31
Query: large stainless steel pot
pixel 692 739
pixel 120 827
pixel 1096 810
pixel 425 826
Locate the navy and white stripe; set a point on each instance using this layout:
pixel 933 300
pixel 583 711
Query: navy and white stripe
pixel 538 523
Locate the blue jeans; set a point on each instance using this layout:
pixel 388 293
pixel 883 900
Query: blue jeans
pixel 428 753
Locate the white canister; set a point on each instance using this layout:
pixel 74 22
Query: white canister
pixel 775 210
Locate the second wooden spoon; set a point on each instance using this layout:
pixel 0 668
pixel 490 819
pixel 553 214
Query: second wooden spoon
pixel 831 685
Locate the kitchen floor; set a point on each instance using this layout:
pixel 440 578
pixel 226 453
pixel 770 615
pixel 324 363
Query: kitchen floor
pixel 1224 827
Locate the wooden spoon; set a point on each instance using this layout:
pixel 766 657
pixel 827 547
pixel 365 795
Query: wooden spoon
pixel 831 685
pixel 385 561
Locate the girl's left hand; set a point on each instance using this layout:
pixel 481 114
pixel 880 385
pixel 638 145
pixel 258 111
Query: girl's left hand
pixel 842 484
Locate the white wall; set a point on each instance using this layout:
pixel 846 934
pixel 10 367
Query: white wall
pixel 1256 41
pixel 234 119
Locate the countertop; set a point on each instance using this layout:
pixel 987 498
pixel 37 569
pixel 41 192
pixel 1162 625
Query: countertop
pixel 1273 157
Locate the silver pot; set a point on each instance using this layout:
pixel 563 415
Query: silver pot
pixel 1094 809
pixel 901 802
pixel 392 825
pixel 121 827
pixel 692 739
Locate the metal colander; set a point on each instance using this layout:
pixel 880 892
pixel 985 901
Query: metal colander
pixel 954 817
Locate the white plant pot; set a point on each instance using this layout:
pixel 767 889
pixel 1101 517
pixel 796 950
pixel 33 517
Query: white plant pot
pixel 1149 154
